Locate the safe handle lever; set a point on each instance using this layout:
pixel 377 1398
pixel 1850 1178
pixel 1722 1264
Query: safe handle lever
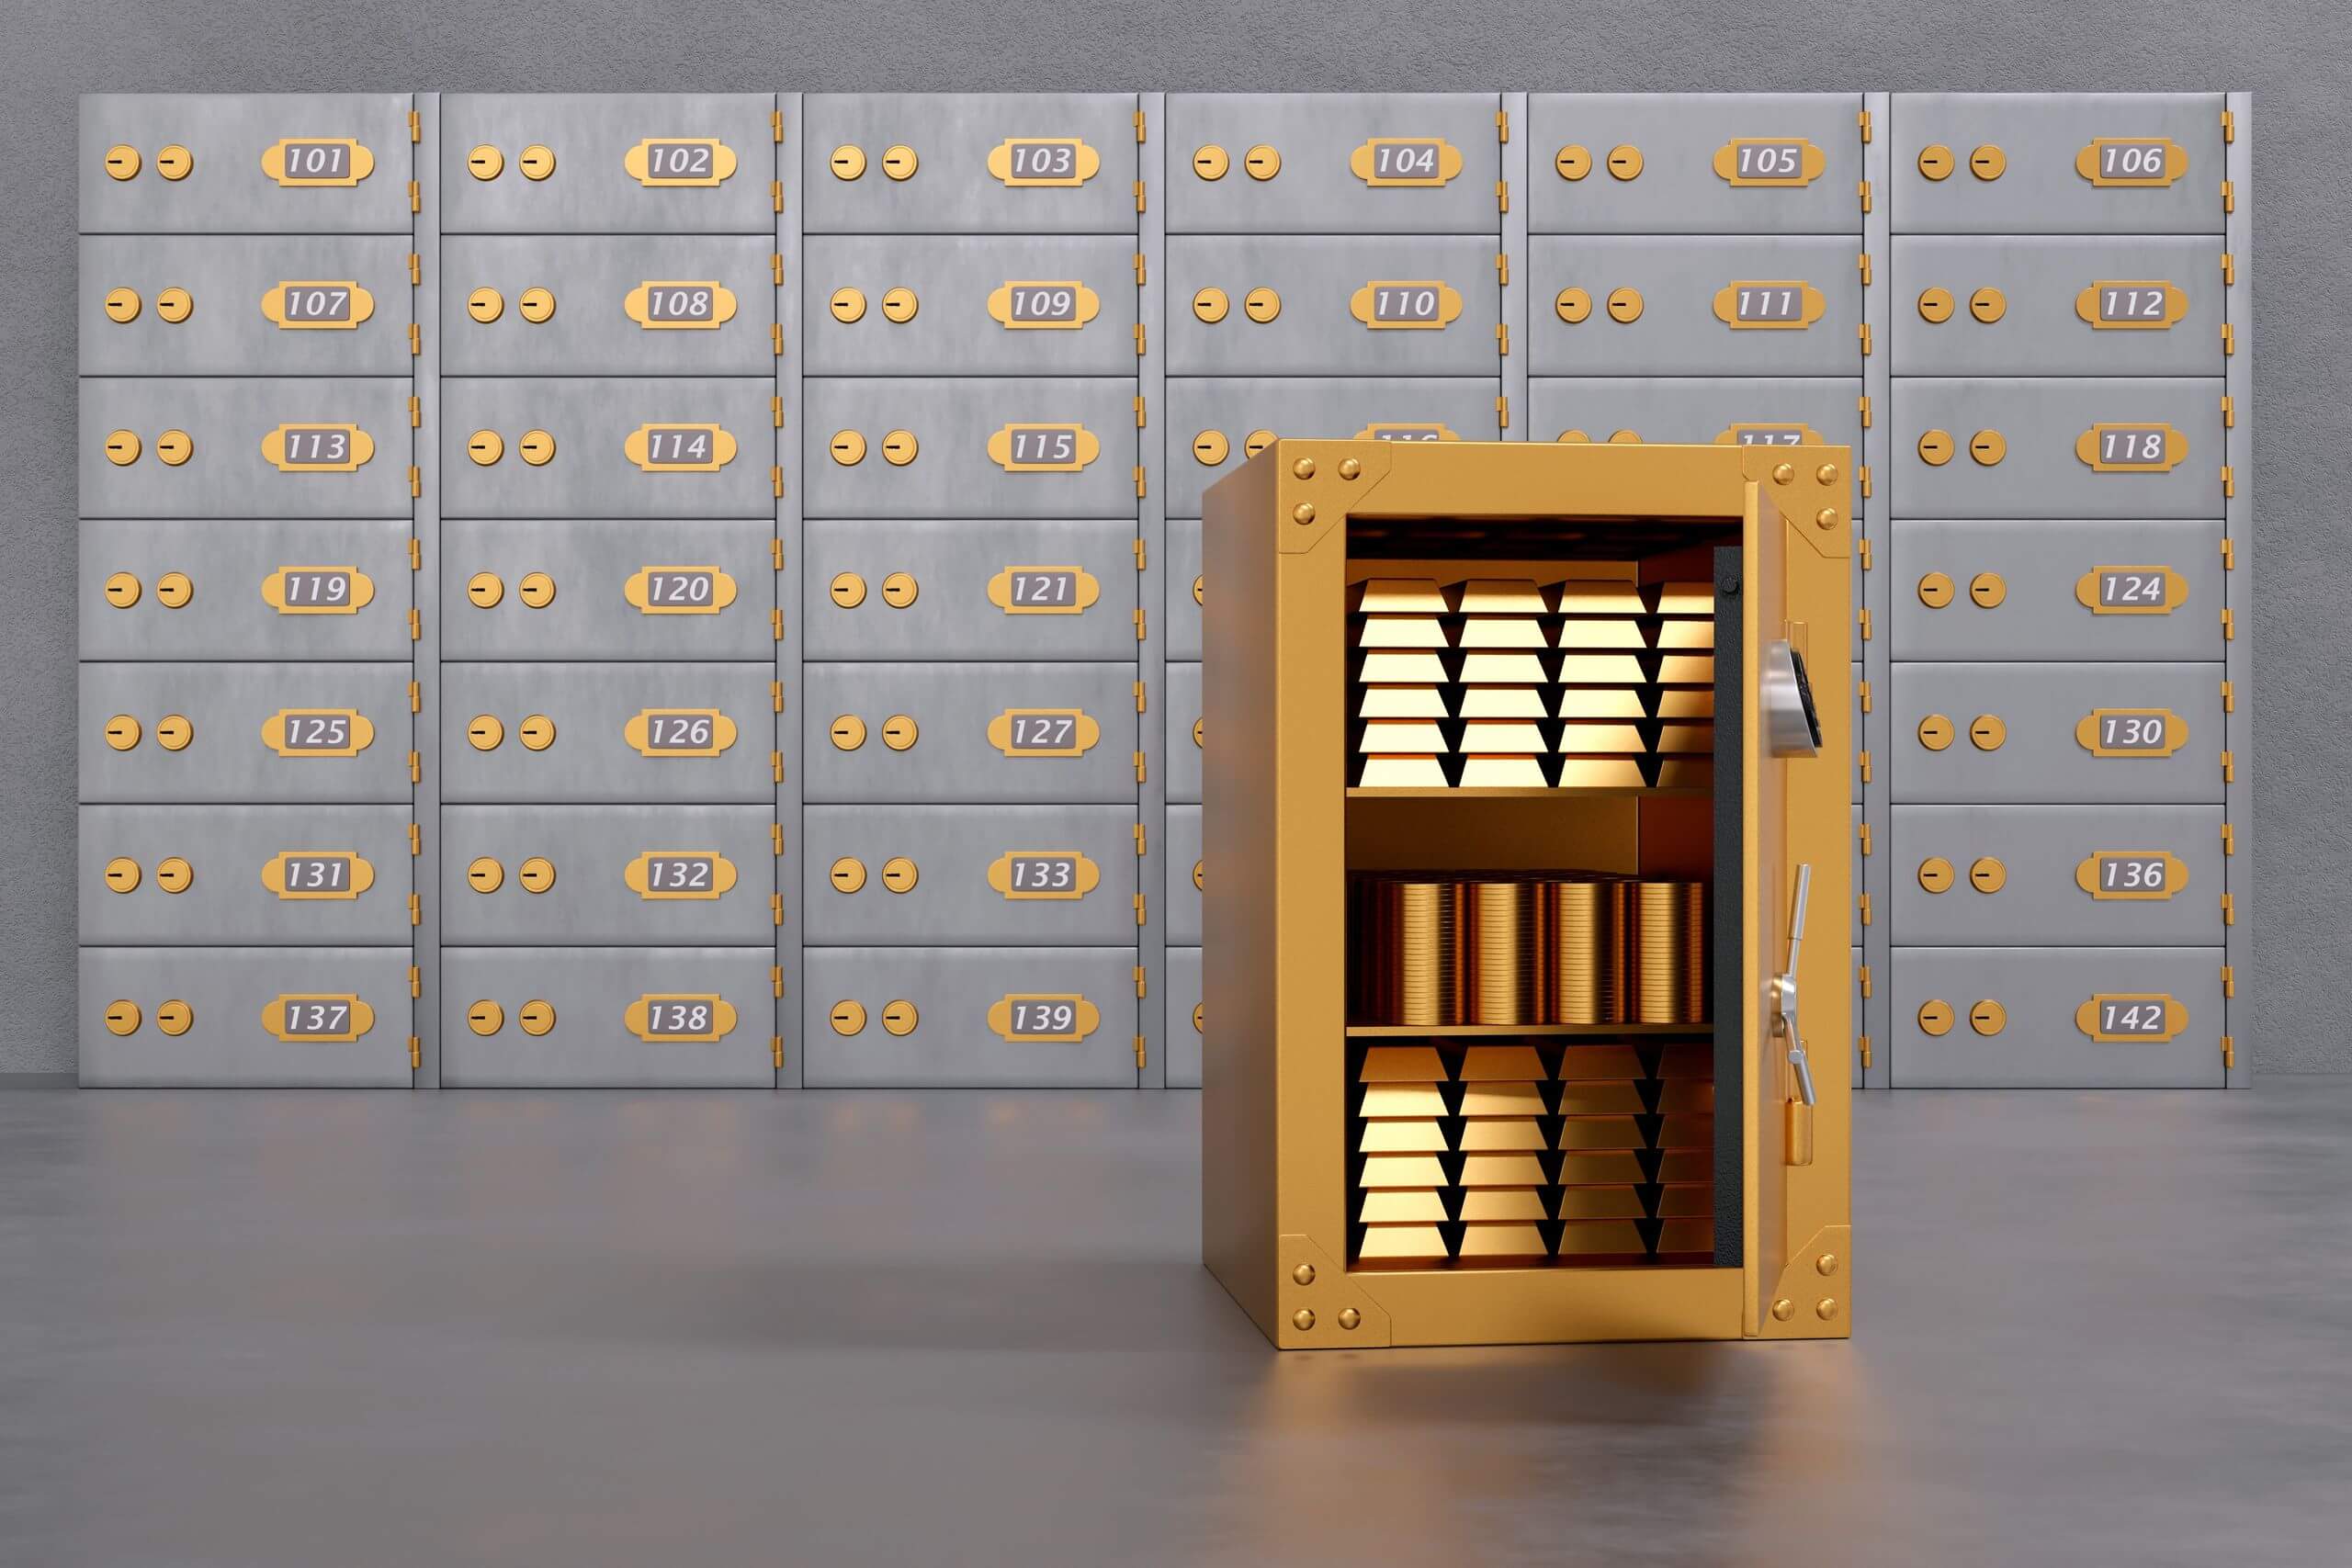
pixel 1784 991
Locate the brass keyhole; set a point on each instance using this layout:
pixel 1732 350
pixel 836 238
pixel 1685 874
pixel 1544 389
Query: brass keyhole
pixel 121 304
pixel 537 447
pixel 1935 448
pixel 1625 161
pixel 536 1016
pixel 1989 305
pixel 1987 589
pixel 1987 874
pixel 847 874
pixel 174 162
pixel 899 448
pixel 1987 1016
pixel 485 589
pixel 485 732
pixel 1935 733
pixel 1572 305
pixel 173 874
pixel 1209 162
pixel 1935 591
pixel 1936 162
pixel 1987 448
pixel 1987 163
pixel 1625 305
pixel 1262 305
pixel 1210 449
pixel 1210 305
pixel 1262 162
pixel 175 447
pixel 899 875
pixel 848 590
pixel 847 1018
pixel 535 589
pixel 848 448
pixel 536 304
pixel 848 732
pixel 173 732
pixel 122 874
pixel 1935 874
pixel 485 447
pixel 485 876
pixel 900 162
pixel 898 589
pixel 899 1017
pixel 847 304
pixel 900 304
pixel 1935 1018
pixel 1935 304
pixel 485 1017
pixel 1573 161
pixel 174 588
pixel 1257 441
pixel 485 305
pixel 537 874
pixel 536 732
pixel 123 590
pixel 847 162
pixel 1987 732
pixel 485 162
pixel 898 732
pixel 536 161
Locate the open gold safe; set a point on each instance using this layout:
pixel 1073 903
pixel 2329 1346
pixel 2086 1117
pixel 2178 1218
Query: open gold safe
pixel 1526 816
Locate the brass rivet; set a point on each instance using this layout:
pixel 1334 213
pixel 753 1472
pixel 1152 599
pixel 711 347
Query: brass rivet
pixel 1784 1309
pixel 1303 512
pixel 1784 473
pixel 1303 1319
pixel 1826 1308
pixel 1826 518
pixel 1303 1274
pixel 1825 1264
pixel 1350 468
pixel 1303 467
pixel 1826 474
pixel 1349 1317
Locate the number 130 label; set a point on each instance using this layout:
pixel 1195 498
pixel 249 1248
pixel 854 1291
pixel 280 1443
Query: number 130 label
pixel 2131 732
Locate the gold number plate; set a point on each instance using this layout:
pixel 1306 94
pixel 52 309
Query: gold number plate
pixel 358 448
pixel 1406 433
pixel 2090 732
pixel 363 305
pixel 1810 160
pixel 1083 732
pixel 2091 161
pixel 2091 444
pixel 1769 436
pixel 1084 1017
pixel 2086 305
pixel 1362 305
pixel 2092 1015
pixel 722 875
pixel 362 590
pixel 1813 305
pixel 638 448
pixel 638 1018
pixel 638 161
pixel 1001 592
pixel 2176 875
pixel 1011 448
pixel 358 1021
pixel 1085 304
pixel 2087 590
pixel 638 732
pixel 637 305
pixel 1085 875
pixel 358 163
pixel 1083 162
pixel 361 878
pixel 1433 161
pixel 639 591
pixel 360 734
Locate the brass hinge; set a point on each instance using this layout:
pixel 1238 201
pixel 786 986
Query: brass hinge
pixel 415 697
pixel 415 838
pixel 1139 982
pixel 1503 413
pixel 776 404
pixel 1502 197
pixel 1139 353
pixel 2229 269
pixel 2229 556
pixel 2229 839
pixel 1139 275
pixel 775 1051
pixel 1863 473
pixel 1138 196
pixel 1864 263
pixel 1862 619
pixel 775 126
pixel 1863 973
pixel 775 909
pixel 415 625
pixel 1502 269
pixel 775 695
pixel 1863 759
pixel 775 980
pixel 416 482
pixel 1862 190
pixel 2229 127
pixel 415 554
pixel 415 412
pixel 416 125
pixel 775 766
pixel 2229 695
pixel 1864 330
pixel 1139 396
pixel 1862 548
pixel 1862 691
pixel 1863 121
pixel 2229 411
pixel 1140 837
pixel 415 196
pixel 2229 1052
pixel 775 553
pixel 775 196
pixel 776 628
pixel 1862 903
pixel 775 481
pixel 2229 196
pixel 776 351
pixel 2229 910
pixel 1862 406
pixel 1139 774
pixel 2229 483
pixel 1503 126
pixel 775 268
pixel 2228 982
pixel 1865 1044
pixel 415 268
pixel 415 1052
pixel 1139 481
pixel 1141 555
pixel 2229 339
pixel 1502 339
pixel 1139 1052
pixel 415 339
pixel 1862 832
pixel 416 767
pixel 1139 128
pixel 2229 768
pixel 1139 908
pixel 776 837
pixel 415 910
pixel 415 981
pixel 1139 632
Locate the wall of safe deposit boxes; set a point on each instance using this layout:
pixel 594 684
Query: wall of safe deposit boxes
pixel 706 590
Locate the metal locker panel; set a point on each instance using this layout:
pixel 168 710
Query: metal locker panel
pixel 1184 868
pixel 983 305
pixel 2051 161
pixel 1330 172
pixel 357 143
pixel 235 1018
pixel 1215 425
pixel 1376 305
pixel 2131 305
pixel 622 589
pixel 974 733
pixel 1182 713
pixel 2058 589
pixel 581 875
pixel 1184 1044
pixel 966 150
pixel 2160 723
pixel 1703 163
pixel 1747 409
pixel 1185 588
pixel 623 305
pixel 245 733
pixel 344 444
pixel 266 875
pixel 615 733
pixel 1854 773
pixel 256 588
pixel 1711 305
pixel 2058 875
pixel 710 157
pixel 257 305
pixel 607 1017
pixel 2040 994
pixel 1031 446
pixel 2150 447
pixel 949 875
pixel 641 446
pixel 970 1017
pixel 1855 1077
pixel 982 589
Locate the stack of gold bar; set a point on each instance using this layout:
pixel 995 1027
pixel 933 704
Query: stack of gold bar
pixel 1502 1201
pixel 1686 693
pixel 1504 981
pixel 1584 949
pixel 1601 678
pixel 1400 674
pixel 1503 677
pixel 1601 1163
pixel 1400 1193
pixel 1670 952
pixel 1685 1142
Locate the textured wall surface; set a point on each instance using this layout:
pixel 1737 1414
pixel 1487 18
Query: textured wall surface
pixel 2295 56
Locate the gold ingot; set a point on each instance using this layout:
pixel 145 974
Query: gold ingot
pixel 1936 162
pixel 847 305
pixel 122 304
pixel 485 589
pixel 1988 161
pixel 537 161
pixel 847 732
pixel 847 874
pixel 174 588
pixel 900 447
pixel 1935 591
pixel 1210 449
pixel 900 162
pixel 122 874
pixel 1625 305
pixel 536 1016
pixel 847 162
pixel 1935 304
pixel 848 590
pixel 1210 163
pixel 1573 161
pixel 1262 305
pixel 536 304
pixel 1210 305
pixel 847 1018
pixel 173 447
pixel 1989 305
pixel 898 732
pixel 900 304
pixel 535 589
pixel 1935 874
pixel 1935 1018
pixel 123 590
pixel 174 162
pixel 122 1017
pixel 1935 448
pixel 485 447
pixel 1625 161
pixel 1262 162
pixel 173 874
pixel 1987 874
pixel 1572 305
pixel 122 732
pixel 536 732
pixel 1987 732
pixel 175 304
pixel 176 1018
pixel 122 448
pixel 173 732
pixel 1987 590
pixel 1988 1017
pixel 537 874
pixel 848 448
pixel 485 732
pixel 898 589
pixel 1257 441
pixel 121 163
pixel 485 304
pixel 1935 733
pixel 899 1017
pixel 485 162
pixel 485 875
pixel 537 447
pixel 1987 448
pixel 485 1017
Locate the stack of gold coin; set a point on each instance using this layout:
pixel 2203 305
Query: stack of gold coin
pixel 1584 949
pixel 1669 951
pixel 1420 931
pixel 1504 969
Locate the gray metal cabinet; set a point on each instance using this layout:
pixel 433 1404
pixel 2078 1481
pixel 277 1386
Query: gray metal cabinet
pixel 1186 588
pixel 971 1017
pixel 234 734
pixel 595 446
pixel 265 163
pixel 608 162
pixel 253 305
pixel 1181 712
pixel 1694 305
pixel 2056 589
pixel 995 162
pixel 1217 423
pixel 1333 163
pixel 1329 305
pixel 607 1017
pixel 1183 1047
pixel 2058 875
pixel 976 733
pixel 970 589
pixel 952 876
pixel 1033 447
pixel 244 589
pixel 2058 448
pixel 608 733
pixel 2077 1017
pixel 608 305
pixel 263 876
pixel 608 589
pixel 2058 162
pixel 245 1017
pixel 245 447
pixel 1785 411
pixel 2049 305
pixel 587 875
pixel 2036 734
pixel 1185 868
pixel 968 305
pixel 1695 162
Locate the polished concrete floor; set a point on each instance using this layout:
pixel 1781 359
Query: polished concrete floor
pixel 678 1329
